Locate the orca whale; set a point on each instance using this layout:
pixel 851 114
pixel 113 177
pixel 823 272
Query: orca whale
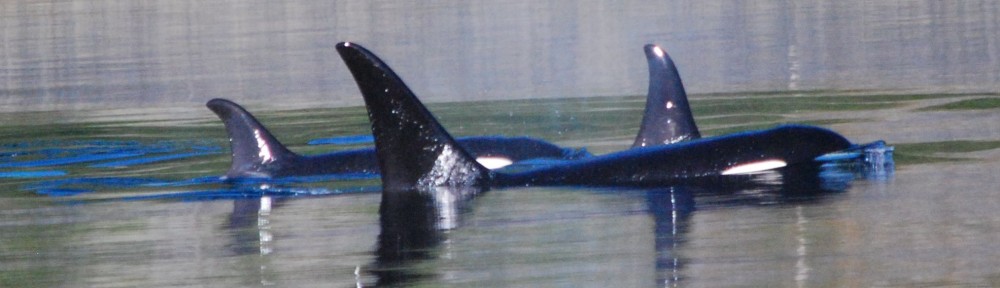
pixel 415 152
pixel 256 153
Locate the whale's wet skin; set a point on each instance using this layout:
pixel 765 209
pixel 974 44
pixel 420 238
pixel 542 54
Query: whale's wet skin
pixel 88 201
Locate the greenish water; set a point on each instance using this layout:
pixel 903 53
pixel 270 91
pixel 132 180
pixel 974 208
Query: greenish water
pixel 933 221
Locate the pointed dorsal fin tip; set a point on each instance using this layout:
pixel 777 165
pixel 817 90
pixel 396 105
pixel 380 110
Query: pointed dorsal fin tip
pixel 218 105
pixel 413 149
pixel 218 102
pixel 667 117
pixel 655 51
pixel 253 147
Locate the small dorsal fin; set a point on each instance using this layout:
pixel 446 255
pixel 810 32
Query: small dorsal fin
pixel 667 118
pixel 254 148
pixel 412 148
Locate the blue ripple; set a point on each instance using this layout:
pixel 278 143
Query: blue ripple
pixel 343 140
pixel 32 174
pixel 71 160
pixel 147 160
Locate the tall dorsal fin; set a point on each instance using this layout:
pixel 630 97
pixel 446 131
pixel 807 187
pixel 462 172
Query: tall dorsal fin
pixel 254 148
pixel 413 150
pixel 667 118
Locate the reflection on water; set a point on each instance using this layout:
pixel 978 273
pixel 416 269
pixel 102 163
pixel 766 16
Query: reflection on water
pixel 671 208
pixel 72 54
pixel 414 224
pixel 930 219
pixel 251 226
pixel 104 215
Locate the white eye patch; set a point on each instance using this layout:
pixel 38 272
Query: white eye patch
pixel 747 168
pixel 492 162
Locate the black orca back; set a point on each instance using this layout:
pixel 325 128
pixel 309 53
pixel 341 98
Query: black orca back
pixel 416 153
pixel 412 148
pixel 717 158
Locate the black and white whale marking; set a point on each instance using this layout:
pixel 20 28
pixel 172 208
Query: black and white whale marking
pixel 415 152
pixel 667 119
pixel 258 154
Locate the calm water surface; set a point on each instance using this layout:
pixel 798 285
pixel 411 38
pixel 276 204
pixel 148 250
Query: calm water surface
pixel 115 184
pixel 931 221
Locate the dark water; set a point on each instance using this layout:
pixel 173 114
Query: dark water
pixel 115 184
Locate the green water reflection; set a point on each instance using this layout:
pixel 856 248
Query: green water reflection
pixel 970 104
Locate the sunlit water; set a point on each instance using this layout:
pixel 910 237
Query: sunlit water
pixel 124 219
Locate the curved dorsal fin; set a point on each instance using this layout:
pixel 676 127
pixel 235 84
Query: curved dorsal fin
pixel 412 148
pixel 253 147
pixel 667 118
